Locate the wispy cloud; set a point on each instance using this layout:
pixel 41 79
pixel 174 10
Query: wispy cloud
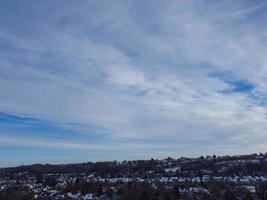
pixel 181 73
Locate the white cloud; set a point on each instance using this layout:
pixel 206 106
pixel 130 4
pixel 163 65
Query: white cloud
pixel 141 84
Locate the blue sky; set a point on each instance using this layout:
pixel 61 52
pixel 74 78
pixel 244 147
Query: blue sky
pixel 94 80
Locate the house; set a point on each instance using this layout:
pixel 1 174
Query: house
pixel 88 196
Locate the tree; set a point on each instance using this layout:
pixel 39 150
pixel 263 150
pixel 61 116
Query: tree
pixel 100 190
pixel 16 193
pixel 229 195
pixel 50 181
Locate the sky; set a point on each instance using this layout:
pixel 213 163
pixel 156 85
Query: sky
pixel 121 80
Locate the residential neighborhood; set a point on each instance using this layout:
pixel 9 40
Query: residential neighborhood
pixel 210 177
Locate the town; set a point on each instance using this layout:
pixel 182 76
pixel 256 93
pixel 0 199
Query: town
pixel 210 177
